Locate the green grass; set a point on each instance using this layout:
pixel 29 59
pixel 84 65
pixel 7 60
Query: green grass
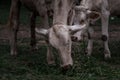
pixel 33 66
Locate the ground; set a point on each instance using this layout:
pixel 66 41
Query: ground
pixel 24 32
pixel 33 66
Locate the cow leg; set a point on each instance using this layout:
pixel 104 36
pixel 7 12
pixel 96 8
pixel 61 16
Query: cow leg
pixel 71 17
pixel 42 10
pixel 90 41
pixel 50 56
pixel 13 24
pixel 105 35
pixel 32 29
pixel 45 21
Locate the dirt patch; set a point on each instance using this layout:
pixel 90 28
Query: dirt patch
pixel 24 32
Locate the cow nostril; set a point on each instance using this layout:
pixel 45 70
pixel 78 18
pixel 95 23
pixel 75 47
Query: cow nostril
pixel 76 39
pixel 73 38
pixel 66 68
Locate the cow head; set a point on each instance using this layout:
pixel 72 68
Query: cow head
pixel 59 37
pixel 83 16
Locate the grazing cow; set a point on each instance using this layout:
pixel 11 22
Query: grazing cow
pixel 37 7
pixel 89 12
pixel 59 34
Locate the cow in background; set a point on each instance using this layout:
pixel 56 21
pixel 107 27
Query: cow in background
pixel 91 10
pixel 36 7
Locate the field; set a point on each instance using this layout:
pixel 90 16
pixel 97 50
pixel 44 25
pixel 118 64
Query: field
pixel 33 66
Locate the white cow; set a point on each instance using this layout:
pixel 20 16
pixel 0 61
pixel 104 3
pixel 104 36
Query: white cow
pixel 59 35
pixel 88 12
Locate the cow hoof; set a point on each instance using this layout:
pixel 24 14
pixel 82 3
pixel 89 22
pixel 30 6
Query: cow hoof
pixel 107 56
pixel 88 52
pixel 13 53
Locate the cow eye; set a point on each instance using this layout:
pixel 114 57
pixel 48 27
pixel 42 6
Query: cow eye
pixel 82 21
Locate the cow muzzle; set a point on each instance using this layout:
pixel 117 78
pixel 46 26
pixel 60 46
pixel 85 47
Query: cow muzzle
pixel 76 39
pixel 66 68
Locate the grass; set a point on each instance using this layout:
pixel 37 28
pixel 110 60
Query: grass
pixel 33 66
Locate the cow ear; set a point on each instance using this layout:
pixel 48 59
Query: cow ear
pixel 77 7
pixel 93 15
pixel 43 32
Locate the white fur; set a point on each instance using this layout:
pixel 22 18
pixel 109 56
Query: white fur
pixel 104 5
pixel 41 31
pixel 77 27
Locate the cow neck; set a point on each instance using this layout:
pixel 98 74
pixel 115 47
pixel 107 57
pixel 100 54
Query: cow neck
pixel 61 9
pixel 87 4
